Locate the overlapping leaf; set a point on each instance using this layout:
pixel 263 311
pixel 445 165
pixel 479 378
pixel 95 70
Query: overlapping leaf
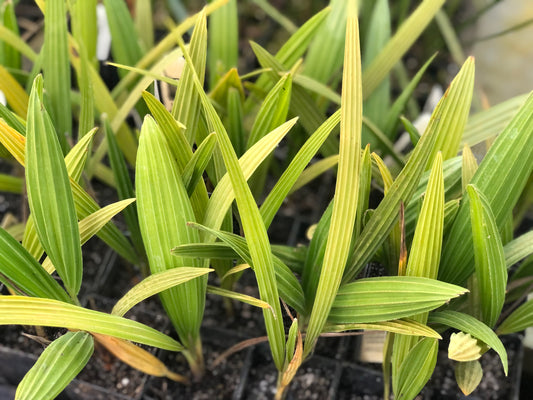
pixel 501 177
pixel 49 194
pixel 45 312
pixel 388 298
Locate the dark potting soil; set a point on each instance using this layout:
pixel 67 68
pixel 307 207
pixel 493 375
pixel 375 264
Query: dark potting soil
pixel 219 382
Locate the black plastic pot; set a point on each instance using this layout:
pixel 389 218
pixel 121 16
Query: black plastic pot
pixel 14 364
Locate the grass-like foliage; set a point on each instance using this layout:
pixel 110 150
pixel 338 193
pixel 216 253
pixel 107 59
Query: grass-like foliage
pixel 201 149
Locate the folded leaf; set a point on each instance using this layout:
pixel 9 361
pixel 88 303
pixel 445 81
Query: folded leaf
pixel 468 376
pixel 491 271
pixel 402 326
pixel 49 194
pixel 20 271
pixel 60 362
pixel 164 210
pixel 155 284
pixel 501 177
pixel 345 200
pixel 45 312
pixel 520 319
pixel 387 298
pixel 416 370
pixel 476 328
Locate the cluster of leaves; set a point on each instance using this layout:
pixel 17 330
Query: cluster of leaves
pixel 443 230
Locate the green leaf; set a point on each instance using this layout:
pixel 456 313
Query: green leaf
pixel 314 260
pixel 273 111
pixel 106 104
pixel 488 123
pixel 388 298
pixel 518 249
pixel 396 109
pixel 314 171
pixel 56 68
pixel 296 45
pixel 402 326
pixel 86 117
pixel 347 185
pixel 223 194
pixel 501 177
pixel 399 44
pixel 12 120
pixel 124 186
pixel 172 130
pixel 452 180
pixel 59 364
pixel 385 216
pixel 238 296
pixel 469 167
pixel 144 23
pixel 302 105
pixel 468 376
pixel 291 174
pixel 11 184
pixel 155 284
pixel 165 45
pixel 45 312
pixel 235 119
pixel 186 107
pixel 10 56
pixel 326 52
pixel 471 325
pixel 520 319
pixel 192 173
pixel 164 210
pixel 377 104
pixel 84 26
pixel 416 369
pixel 75 163
pixel 20 271
pixel 424 257
pixel 15 41
pixel 49 194
pixel 289 287
pixel 223 40
pixel 206 250
pixel 457 113
pixel 92 224
pixel 179 147
pixel 291 341
pixel 253 226
pixel 491 271
pixel 77 156
pixel 125 42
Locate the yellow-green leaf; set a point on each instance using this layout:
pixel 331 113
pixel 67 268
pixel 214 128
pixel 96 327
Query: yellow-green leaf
pixel 347 186
pixel 468 376
pixel 49 194
pixel 45 312
pixel 91 225
pixel 155 284
pixel 60 362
